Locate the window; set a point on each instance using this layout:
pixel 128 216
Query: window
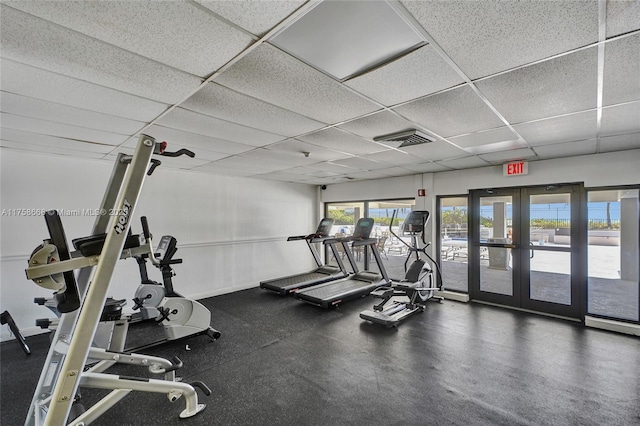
pixel 613 246
pixel 392 252
pixel 453 223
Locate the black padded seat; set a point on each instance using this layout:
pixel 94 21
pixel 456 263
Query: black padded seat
pixel 92 245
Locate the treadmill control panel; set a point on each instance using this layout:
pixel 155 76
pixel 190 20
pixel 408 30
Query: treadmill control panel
pixel 363 228
pixel 324 228
pixel 415 222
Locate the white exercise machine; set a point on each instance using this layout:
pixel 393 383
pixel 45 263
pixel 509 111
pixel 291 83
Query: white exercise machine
pixel 73 360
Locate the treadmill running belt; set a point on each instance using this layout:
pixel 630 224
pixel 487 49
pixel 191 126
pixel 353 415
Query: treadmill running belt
pixel 296 279
pixel 336 289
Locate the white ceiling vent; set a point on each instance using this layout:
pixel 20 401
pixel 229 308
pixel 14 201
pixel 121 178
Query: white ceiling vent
pixel 406 138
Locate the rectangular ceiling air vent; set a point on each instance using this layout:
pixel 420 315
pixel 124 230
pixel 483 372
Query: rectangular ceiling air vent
pixel 407 138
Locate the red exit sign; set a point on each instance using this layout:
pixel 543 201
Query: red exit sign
pixel 516 168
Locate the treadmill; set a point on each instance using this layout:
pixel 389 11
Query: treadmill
pixel 322 274
pixel 360 284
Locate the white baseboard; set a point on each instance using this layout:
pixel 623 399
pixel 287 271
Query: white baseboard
pixel 452 295
pixel 223 290
pixel 611 325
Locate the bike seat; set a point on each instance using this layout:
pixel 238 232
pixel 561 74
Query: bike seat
pixel 92 245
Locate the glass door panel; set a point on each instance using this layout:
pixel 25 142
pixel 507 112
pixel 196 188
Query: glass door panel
pixel 550 242
pixel 493 238
pixel 550 277
pixel 496 218
pixel 553 268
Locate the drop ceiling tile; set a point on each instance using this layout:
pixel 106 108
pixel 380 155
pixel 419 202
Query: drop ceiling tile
pixel 281 176
pixel 619 143
pixel 302 171
pixel 451 113
pixel 367 175
pixel 22 137
pixel 215 148
pixel 485 37
pixel 620 119
pixel 227 170
pixel 346 38
pixel 316 181
pixel 277 78
pixel 331 168
pixel 435 151
pixel 501 134
pixel 206 125
pixel 430 167
pixel 221 102
pixel 565 128
pixel 567 149
pixel 257 17
pixel 622 17
pixel 419 73
pixel 286 158
pixel 316 153
pixel 195 41
pixel 463 163
pixel 338 140
pixel 360 163
pixel 394 157
pixel 396 171
pixel 49 86
pixel 42 44
pixel 559 86
pixel 250 164
pixel 182 162
pixel 65 131
pixel 516 154
pixel 621 65
pixel 35 108
pixel 49 150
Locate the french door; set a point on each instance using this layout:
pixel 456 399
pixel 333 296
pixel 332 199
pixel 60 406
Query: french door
pixel 527 248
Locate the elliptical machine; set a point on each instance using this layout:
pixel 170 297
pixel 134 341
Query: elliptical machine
pixel 410 295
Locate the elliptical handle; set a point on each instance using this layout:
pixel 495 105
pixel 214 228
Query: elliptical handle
pixel 145 227
pixel 393 217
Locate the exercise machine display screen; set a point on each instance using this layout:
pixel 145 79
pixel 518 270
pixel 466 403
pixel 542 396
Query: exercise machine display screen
pixel 363 228
pixel 415 221
pixel 324 228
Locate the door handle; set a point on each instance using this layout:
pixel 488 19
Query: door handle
pixel 532 251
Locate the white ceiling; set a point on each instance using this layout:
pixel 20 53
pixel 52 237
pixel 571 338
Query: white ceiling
pixel 494 81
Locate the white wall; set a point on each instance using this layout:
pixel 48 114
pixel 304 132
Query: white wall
pixel 231 232
pixel 609 169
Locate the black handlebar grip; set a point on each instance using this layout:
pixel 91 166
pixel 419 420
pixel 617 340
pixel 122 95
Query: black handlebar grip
pixel 200 385
pixel 154 163
pixel 145 227
pixel 179 152
pixel 177 363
